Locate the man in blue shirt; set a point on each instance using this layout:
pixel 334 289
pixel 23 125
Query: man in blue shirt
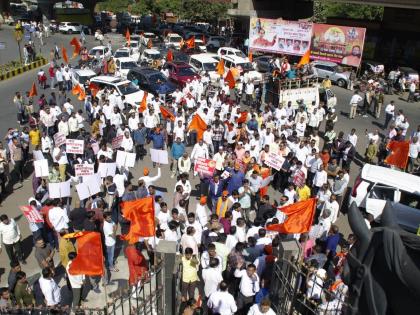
pixel 332 241
pixel 139 137
pixel 158 141
pixel 235 179
pixel 177 150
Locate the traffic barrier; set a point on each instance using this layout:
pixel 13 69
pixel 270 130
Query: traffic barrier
pixel 22 69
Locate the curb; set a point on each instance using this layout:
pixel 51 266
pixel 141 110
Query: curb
pixel 12 73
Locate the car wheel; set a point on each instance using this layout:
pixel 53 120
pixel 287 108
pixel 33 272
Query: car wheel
pixel 342 83
pixel 70 31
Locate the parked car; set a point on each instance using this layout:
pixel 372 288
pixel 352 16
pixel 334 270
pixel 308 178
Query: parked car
pixel 262 63
pixel 180 72
pixel 82 76
pixel 372 67
pixel 230 51
pixel 205 63
pixel 152 81
pixel 99 51
pixel 215 42
pixel 244 67
pixel 200 45
pixel 335 72
pixel 151 57
pixel 69 27
pixel 173 40
pixel 124 64
pixel 177 54
pixel 376 185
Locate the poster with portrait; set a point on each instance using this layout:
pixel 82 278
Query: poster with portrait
pixel 280 36
pixel 340 44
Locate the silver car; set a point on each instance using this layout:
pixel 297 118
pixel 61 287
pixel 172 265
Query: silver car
pixel 335 72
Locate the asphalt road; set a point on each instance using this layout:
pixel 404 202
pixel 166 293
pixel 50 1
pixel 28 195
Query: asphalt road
pixel 20 196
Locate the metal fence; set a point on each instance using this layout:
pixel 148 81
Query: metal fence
pixel 290 293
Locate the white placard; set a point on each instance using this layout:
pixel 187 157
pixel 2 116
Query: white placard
pixel 59 190
pixel 159 156
pixel 75 146
pixel 91 186
pixel 41 168
pixel 225 175
pixel 274 160
pixel 125 159
pixel 107 169
pixel 82 191
pixel 83 169
pixel 37 154
pixel 59 139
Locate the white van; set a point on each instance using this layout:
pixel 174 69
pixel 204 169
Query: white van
pixel 205 62
pixel 376 184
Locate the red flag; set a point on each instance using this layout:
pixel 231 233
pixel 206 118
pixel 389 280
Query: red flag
pixel 33 91
pixel 143 104
pixel 241 119
pixel 127 37
pixel 169 55
pixel 190 42
pixel 230 79
pixel 299 217
pixel 166 113
pixel 64 53
pixel 250 57
pixel 76 89
pixel 399 153
pixel 306 58
pixel 141 214
pixel 90 259
pixel 199 125
pixel 76 46
pixel 94 89
pixel 220 68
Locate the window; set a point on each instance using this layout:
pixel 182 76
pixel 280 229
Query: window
pixel 382 192
pixel 410 200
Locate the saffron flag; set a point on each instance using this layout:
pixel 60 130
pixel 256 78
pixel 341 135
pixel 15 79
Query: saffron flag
pixel 242 118
pixel 199 125
pixel 64 53
pixel 141 214
pixel 230 79
pixel 76 89
pixel 90 258
pixel 82 94
pixel 220 68
pixel 305 59
pixel 190 42
pixel 143 104
pixel 76 46
pixel 399 153
pixel 250 57
pixel 166 113
pixel 33 91
pixel 299 217
pixel 127 37
pixel 94 89
pixel 169 55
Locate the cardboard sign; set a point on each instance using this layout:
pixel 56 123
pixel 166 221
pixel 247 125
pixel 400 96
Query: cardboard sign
pixel 75 146
pixel 107 169
pixel 205 167
pixel 37 154
pixel 125 159
pixel 83 169
pixel 32 214
pixel 59 190
pixel 41 168
pixel 116 142
pixel 59 139
pixel 274 160
pixel 90 186
pixel 225 175
pixel 159 156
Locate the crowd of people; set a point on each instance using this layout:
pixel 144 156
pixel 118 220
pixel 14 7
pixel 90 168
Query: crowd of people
pixel 228 250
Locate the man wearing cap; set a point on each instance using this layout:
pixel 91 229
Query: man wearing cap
pixel 223 204
pixel 149 180
pixel 199 151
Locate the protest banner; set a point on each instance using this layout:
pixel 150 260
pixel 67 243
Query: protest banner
pixel 116 142
pixel 205 167
pixel 107 169
pixel 59 139
pixel 59 190
pixel 32 214
pixel 41 168
pixel 125 159
pixel 75 146
pixel 90 186
pixel 159 156
pixel 274 160
pixel 83 169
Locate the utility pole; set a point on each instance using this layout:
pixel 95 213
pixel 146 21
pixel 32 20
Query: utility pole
pixel 18 37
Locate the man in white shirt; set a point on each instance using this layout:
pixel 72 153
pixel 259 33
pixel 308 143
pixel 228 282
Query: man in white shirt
pixel 188 240
pixel 49 288
pixel 149 180
pixel 333 206
pixel 10 238
pixel 249 91
pixel 199 151
pixel 262 309
pixel 63 126
pixel 59 156
pixel 76 282
pixel 413 152
pixel 222 302
pixel 389 113
pixel 58 217
pixel 248 287
pixel 109 229
pixel 212 277
pixel 354 102
pixel 352 137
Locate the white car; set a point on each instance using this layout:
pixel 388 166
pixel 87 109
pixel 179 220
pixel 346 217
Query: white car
pixel 151 55
pixel 133 95
pixel 125 52
pixel 200 44
pixel 173 40
pixel 230 51
pixel 244 66
pixel 205 63
pixel 69 27
pixel 82 76
pixel 124 64
pixel 134 46
pixel 99 52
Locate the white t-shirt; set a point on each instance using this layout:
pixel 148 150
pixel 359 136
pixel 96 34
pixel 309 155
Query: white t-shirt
pixel 109 233
pixel 255 310
pixel 212 277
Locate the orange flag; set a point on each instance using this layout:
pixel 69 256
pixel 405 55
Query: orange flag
pixel 75 90
pixel 64 53
pixel 33 91
pixel 306 58
pixel 149 43
pixel 76 46
pixel 166 113
pixel 169 55
pixel 94 89
pixel 299 217
pixel 241 119
pixel 399 153
pixel 199 125
pixel 143 104
pixel 190 42
pixel 127 37
pixel 141 214
pixel 203 38
pixel 82 94
pixel 220 68
pixel 90 258
pixel 230 79
pixel 250 56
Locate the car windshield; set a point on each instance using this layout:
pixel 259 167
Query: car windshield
pixel 186 72
pixel 240 54
pixel 153 56
pixel 134 45
pixel 209 66
pixel 245 65
pixel 127 88
pixel 175 39
pixel 83 79
pixel 157 78
pixel 120 54
pixel 128 65
pixel 96 52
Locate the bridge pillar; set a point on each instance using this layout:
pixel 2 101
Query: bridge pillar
pixel 47 8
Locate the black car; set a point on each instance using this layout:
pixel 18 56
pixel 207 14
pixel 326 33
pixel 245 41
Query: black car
pixel 152 81
pixel 177 54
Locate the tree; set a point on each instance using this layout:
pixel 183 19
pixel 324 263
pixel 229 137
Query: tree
pixel 323 10
pixel 204 10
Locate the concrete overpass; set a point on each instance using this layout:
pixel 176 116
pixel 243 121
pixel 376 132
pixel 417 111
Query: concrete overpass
pixel 403 4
